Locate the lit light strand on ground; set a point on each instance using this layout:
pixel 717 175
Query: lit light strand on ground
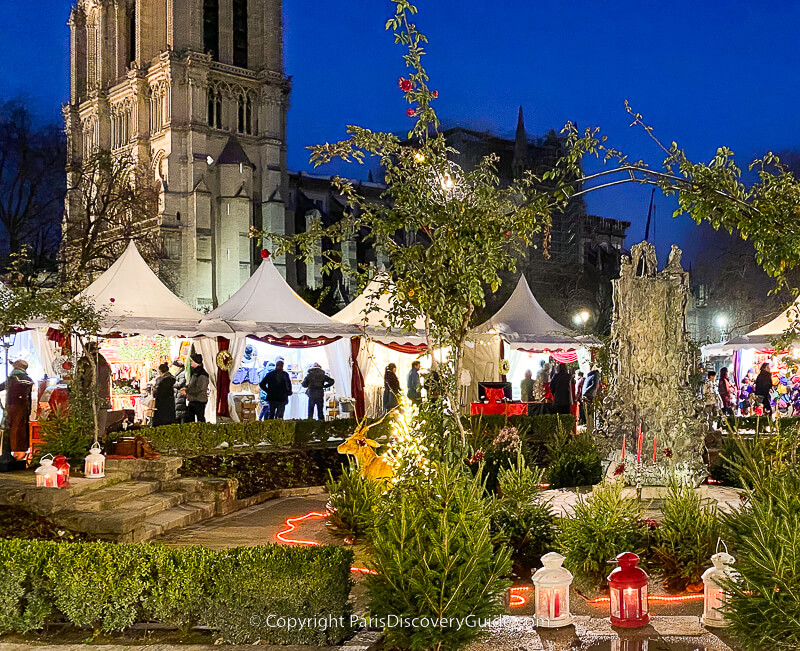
pixel 291 526
pixel 659 599
pixel 517 599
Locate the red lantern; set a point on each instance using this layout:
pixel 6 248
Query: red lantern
pixel 61 464
pixel 628 585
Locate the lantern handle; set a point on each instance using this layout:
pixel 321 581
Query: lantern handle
pixel 721 541
pixel 52 458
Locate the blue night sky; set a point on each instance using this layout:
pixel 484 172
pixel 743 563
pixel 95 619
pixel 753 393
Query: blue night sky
pixel 703 73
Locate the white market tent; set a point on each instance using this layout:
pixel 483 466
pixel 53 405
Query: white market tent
pixel 267 308
pixel 370 312
pixel 135 301
pixel 524 324
pixel 763 336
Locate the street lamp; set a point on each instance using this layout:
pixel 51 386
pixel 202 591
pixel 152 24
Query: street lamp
pixel 721 320
pixel 580 320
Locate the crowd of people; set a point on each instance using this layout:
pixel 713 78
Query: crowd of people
pixel 760 393
pixel 563 388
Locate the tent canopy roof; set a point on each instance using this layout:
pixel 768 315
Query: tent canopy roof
pixel 376 321
pixel 137 302
pixel 265 305
pixel 764 335
pixel 524 323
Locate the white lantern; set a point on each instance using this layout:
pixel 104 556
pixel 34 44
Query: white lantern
pixel 47 473
pixel 714 597
pixel 95 466
pixel 552 592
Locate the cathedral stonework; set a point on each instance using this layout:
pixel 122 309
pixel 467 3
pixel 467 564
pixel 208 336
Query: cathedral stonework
pixel 196 90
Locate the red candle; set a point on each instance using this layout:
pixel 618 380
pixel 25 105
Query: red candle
pixel 623 446
pixel 557 607
pixel 654 448
pixel 639 447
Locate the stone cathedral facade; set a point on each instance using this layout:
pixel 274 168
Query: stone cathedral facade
pixel 196 90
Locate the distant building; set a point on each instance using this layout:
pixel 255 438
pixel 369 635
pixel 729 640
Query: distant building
pixel 196 90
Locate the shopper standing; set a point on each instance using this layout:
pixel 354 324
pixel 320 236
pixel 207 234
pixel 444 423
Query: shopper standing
pixel 561 388
pixel 315 382
pixel 164 394
pixel 727 392
pixel 764 388
pixel 180 398
pixel 278 386
pixel 391 388
pixel 196 390
pixel 414 383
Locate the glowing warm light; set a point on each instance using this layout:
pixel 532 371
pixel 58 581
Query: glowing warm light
pixel 658 599
pixel 291 526
pixel 419 157
pixel 447 182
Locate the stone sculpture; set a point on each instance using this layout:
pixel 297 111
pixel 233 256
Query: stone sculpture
pixel 649 383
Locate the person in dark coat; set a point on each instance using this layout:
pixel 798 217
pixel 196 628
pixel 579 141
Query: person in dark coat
pixel 764 387
pixel 591 384
pixel 561 388
pixel 164 394
pixel 93 374
pixel 391 388
pixel 180 398
pixel 196 390
pixel 315 382
pixel 278 386
pixel 18 389
pixel 414 383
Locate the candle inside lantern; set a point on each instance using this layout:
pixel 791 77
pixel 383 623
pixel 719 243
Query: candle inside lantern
pixel 557 606
pixel 630 603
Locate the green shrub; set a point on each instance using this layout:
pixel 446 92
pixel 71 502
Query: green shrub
pixel 252 583
pixel 535 431
pixel 434 558
pixel 67 435
pixel 574 460
pixel 725 470
pixel 257 472
pixel 687 536
pixel 526 527
pixel 26 597
pixel 99 584
pixel 760 424
pixel 602 526
pixel 352 502
pixel 174 597
pixel 109 587
pixel 764 606
pixel 201 437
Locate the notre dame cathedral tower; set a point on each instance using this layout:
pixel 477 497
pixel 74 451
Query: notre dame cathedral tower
pixel 196 90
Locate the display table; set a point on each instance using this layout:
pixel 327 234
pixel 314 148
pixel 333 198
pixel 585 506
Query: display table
pixel 498 409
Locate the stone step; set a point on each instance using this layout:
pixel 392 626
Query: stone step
pixel 174 518
pixel 116 496
pixel 122 520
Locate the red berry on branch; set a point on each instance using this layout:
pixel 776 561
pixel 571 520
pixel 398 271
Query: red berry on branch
pixel 405 84
pixel 508 234
pixel 411 112
pixel 435 94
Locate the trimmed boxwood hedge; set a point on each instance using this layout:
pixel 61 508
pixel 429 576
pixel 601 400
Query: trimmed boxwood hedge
pixel 199 437
pixel 535 432
pixel 109 587
pixel 264 471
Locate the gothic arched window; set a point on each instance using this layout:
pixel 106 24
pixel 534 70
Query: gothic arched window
pixel 211 27
pixel 240 33
pixel 246 123
pixel 214 108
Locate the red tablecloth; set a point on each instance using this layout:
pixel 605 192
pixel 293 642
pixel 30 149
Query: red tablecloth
pixel 498 409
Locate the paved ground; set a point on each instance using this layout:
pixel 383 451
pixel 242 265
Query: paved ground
pixel 563 500
pixel 256 525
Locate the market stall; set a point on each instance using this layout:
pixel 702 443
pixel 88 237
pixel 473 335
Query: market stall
pixel 143 323
pixel 750 350
pixel 381 344
pixel 521 336
pixel 267 316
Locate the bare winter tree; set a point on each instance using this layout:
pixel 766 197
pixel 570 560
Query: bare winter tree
pixel 32 183
pixel 111 201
